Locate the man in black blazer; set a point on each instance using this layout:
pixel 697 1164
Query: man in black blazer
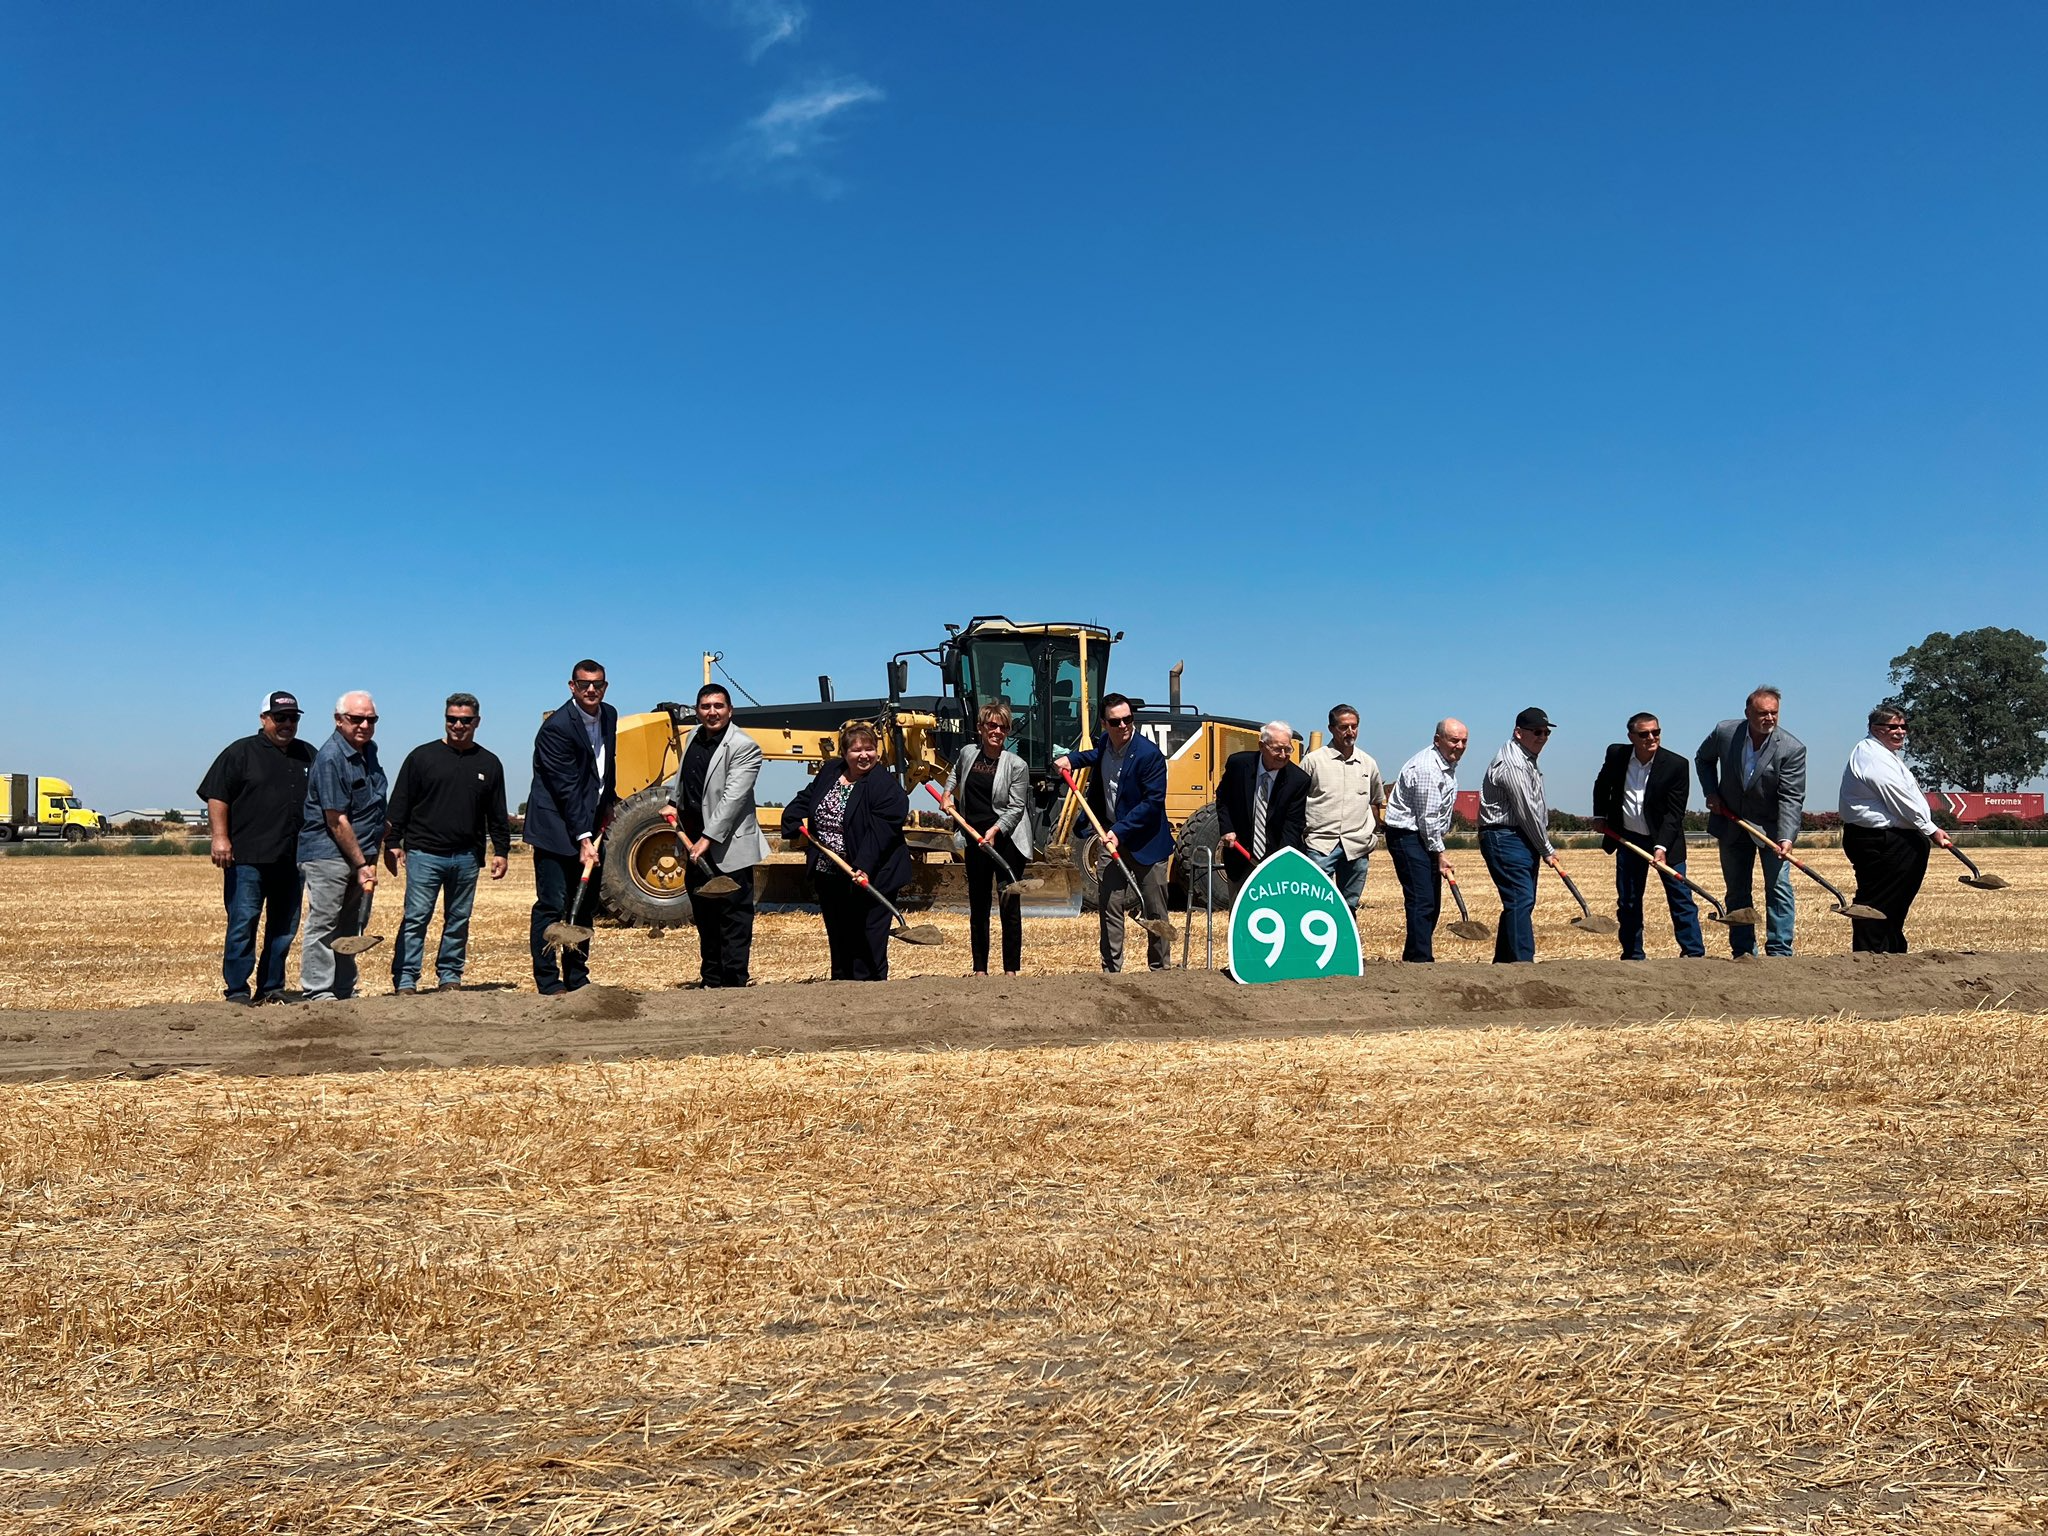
pixel 1249 833
pixel 1641 793
pixel 575 789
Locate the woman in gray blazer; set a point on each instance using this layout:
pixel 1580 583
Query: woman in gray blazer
pixel 991 788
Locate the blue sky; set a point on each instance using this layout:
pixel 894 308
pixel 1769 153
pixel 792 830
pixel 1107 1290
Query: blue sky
pixel 1438 359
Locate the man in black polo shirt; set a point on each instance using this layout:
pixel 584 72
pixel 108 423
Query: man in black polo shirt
pixel 253 793
pixel 449 798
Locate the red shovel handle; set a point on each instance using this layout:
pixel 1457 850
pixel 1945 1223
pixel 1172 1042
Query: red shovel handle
pixel 979 837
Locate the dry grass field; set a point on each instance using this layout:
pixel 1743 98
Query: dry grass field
pixel 116 932
pixel 1735 1275
pixel 1763 1276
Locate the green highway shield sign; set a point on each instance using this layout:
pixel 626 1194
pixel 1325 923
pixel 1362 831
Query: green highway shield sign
pixel 1290 921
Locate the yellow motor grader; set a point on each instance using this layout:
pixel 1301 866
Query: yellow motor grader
pixel 1053 677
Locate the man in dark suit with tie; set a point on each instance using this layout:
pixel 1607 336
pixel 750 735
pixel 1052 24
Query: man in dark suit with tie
pixel 575 789
pixel 1641 794
pixel 1261 802
pixel 1754 769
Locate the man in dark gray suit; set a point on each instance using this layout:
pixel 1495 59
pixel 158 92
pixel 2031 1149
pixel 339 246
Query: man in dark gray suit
pixel 711 805
pixel 1753 769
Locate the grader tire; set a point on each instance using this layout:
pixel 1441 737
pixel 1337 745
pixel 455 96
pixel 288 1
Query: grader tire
pixel 1086 851
pixel 641 880
pixel 1200 830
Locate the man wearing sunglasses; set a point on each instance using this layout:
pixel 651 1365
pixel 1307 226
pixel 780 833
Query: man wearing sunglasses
pixel 1128 793
pixel 339 831
pixel 575 789
pixel 254 793
pixel 448 802
pixel 1640 794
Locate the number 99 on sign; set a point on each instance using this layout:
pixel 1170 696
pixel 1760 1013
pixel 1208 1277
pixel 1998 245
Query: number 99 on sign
pixel 1319 929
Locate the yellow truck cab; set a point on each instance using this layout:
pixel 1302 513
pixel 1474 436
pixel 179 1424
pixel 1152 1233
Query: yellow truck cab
pixel 33 805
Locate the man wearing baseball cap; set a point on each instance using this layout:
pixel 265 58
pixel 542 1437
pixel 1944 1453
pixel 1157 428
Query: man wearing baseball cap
pixel 1514 833
pixel 253 793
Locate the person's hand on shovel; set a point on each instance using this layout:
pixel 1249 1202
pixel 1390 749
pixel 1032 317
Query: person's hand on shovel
pixel 695 848
pixel 1109 842
pixel 588 853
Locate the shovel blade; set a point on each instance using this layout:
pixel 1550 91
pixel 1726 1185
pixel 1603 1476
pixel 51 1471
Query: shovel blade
pixel 924 933
pixel 1020 887
pixel 1742 917
pixel 1159 928
pixel 1593 922
pixel 1858 910
pixel 356 943
pixel 565 935
pixel 1469 929
pixel 1983 882
pixel 719 885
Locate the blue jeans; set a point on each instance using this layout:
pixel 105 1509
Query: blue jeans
pixel 1422 892
pixel 1512 863
pixel 427 876
pixel 1739 854
pixel 247 890
pixel 1631 874
pixel 1348 873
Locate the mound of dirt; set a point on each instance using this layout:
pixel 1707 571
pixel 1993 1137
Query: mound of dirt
pixel 476 1028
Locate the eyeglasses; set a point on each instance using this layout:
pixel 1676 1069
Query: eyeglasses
pixel 460 719
pixel 1893 725
pixel 1123 722
pixel 589 682
pixel 1644 734
pixel 359 719
pixel 285 716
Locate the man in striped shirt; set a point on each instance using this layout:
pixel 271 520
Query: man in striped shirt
pixel 1419 810
pixel 1514 833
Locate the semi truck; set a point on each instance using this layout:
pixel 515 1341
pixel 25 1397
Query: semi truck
pixel 36 805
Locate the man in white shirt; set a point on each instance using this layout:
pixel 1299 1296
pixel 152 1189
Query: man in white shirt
pixel 1419 810
pixel 1885 831
pixel 1346 803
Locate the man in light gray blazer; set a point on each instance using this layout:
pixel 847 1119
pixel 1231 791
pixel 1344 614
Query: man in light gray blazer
pixel 1753 769
pixel 711 804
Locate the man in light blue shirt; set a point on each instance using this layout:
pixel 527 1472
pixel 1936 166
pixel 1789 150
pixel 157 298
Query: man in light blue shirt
pixel 339 833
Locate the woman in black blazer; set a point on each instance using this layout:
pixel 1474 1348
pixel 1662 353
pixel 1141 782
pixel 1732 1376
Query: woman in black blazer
pixel 859 814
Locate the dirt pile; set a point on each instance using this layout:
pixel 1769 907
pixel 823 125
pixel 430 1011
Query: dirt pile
pixel 474 1028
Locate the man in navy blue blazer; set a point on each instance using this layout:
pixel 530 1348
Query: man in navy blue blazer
pixel 1128 791
pixel 575 789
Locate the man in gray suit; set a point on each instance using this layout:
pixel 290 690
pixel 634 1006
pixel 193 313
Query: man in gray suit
pixel 711 804
pixel 1752 769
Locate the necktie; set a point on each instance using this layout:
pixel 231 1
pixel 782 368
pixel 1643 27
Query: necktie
pixel 1259 817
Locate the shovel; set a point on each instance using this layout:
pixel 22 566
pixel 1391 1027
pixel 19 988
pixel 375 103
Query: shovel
pixel 353 944
pixel 1014 885
pixel 1588 920
pixel 1976 876
pixel 717 885
pixel 925 934
pixel 1843 905
pixel 568 935
pixel 1158 927
pixel 1744 915
pixel 1465 927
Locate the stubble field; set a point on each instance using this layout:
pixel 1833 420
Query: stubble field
pixel 1731 1274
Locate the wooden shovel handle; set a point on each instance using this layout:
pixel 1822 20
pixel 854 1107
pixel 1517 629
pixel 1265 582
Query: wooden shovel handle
pixel 847 869
pixel 1668 872
pixel 1087 809
pixel 965 825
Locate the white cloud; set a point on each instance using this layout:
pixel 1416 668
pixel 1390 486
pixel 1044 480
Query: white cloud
pixel 768 22
pixel 784 140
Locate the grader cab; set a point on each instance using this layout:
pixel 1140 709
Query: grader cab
pixel 1052 675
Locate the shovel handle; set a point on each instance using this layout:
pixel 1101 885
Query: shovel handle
pixel 1968 862
pixel 1670 874
pixel 1457 895
pixel 965 825
pixel 1572 886
pixel 856 876
pixel 1100 831
pixel 1086 809
pixel 1763 840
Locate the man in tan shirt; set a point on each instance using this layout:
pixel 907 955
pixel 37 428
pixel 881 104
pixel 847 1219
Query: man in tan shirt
pixel 1347 801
